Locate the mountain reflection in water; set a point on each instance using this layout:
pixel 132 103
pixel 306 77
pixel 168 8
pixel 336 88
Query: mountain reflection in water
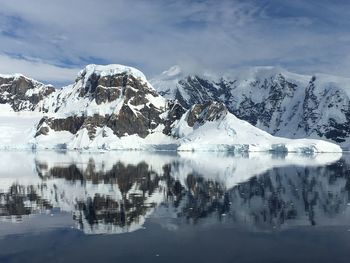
pixel 116 192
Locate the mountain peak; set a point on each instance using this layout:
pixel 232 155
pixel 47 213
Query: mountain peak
pixel 111 69
pixel 18 76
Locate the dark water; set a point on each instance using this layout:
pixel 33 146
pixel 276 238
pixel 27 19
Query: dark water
pixel 138 207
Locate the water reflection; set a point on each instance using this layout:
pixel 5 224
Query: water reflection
pixel 117 192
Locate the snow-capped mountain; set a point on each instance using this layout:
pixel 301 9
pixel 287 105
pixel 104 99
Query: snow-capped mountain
pixel 104 104
pixel 210 127
pixel 21 93
pixel 115 107
pixel 274 100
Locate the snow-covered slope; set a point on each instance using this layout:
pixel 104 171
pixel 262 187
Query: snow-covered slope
pixel 210 127
pixel 17 129
pixel 204 127
pixel 272 99
pixel 115 107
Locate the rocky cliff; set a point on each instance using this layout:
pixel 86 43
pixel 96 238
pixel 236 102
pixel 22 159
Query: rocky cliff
pixel 21 93
pixel 274 100
pixel 115 107
pixel 113 98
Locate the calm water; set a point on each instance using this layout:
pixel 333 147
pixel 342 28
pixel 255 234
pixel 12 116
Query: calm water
pixel 138 207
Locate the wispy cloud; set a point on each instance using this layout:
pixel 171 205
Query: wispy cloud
pixel 37 69
pixel 152 35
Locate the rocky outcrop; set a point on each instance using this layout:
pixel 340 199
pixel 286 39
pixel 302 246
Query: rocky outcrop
pixel 202 113
pixel 115 107
pixel 279 102
pixel 71 124
pixel 129 104
pixel 174 113
pixel 326 113
pixel 22 93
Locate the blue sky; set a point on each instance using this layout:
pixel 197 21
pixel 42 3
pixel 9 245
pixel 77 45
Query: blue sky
pixel 52 40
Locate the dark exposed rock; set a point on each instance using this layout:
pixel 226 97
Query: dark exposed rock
pixel 128 123
pixel 198 90
pixel 201 113
pixel 71 124
pixel 23 93
pixel 92 122
pixel 106 95
pixel 110 87
pixel 175 113
pixel 42 130
pixel 283 104
pixel 310 106
pixel 133 112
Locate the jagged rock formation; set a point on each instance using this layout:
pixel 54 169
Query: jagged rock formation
pixel 22 93
pixel 202 113
pixel 274 100
pixel 115 107
pixel 106 97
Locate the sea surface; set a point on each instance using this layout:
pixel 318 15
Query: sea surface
pixel 174 207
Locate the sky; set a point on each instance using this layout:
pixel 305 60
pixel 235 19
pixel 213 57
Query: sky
pixel 52 40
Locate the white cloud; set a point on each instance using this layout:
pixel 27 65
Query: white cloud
pixel 37 70
pixel 153 35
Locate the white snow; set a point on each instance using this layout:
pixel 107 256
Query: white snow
pixel 233 134
pixel 257 84
pixel 104 140
pixel 17 128
pixel 227 134
pixel 111 69
pixel 17 76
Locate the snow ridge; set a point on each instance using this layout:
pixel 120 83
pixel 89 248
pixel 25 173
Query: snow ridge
pixel 277 101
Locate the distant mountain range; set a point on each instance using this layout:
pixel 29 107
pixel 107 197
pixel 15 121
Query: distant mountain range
pixel 272 99
pixel 115 107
